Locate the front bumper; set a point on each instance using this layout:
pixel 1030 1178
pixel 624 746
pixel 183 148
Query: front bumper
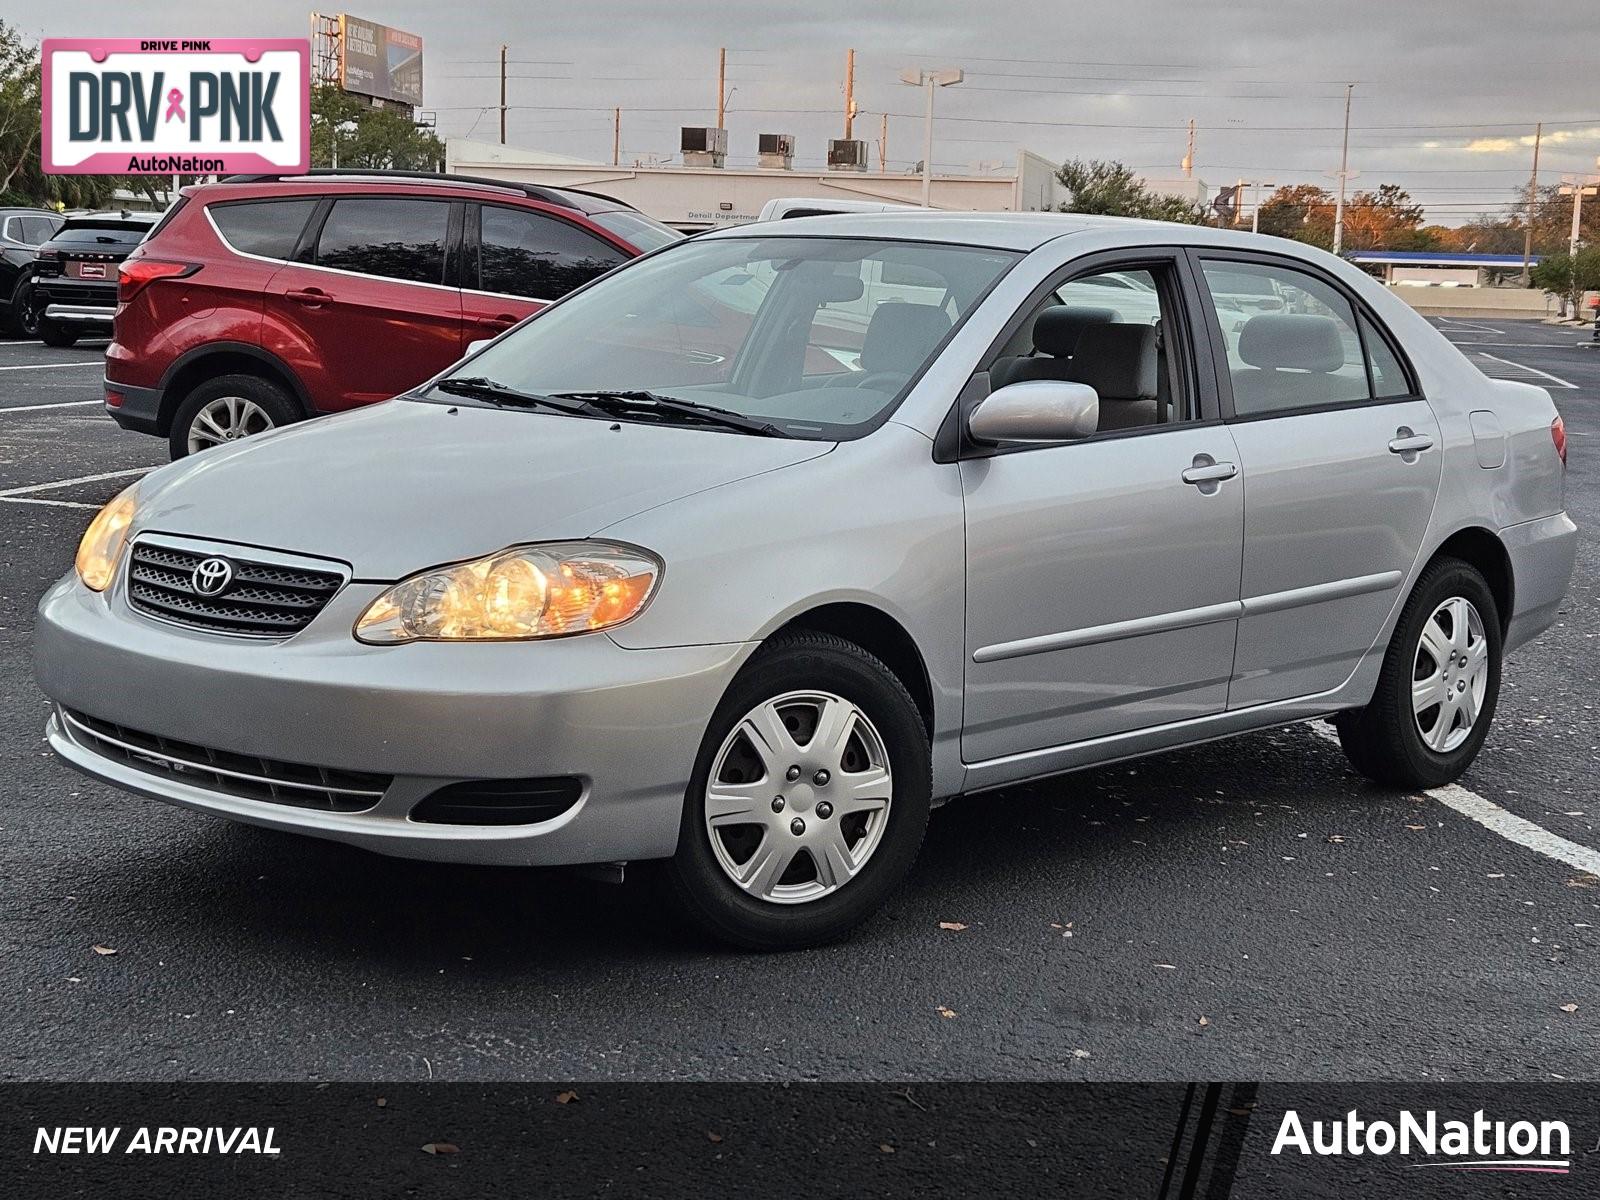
pixel 628 723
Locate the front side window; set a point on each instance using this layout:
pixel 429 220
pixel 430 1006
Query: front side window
pixel 1108 329
pixel 801 332
pixel 1291 338
pixel 268 228
pixel 395 239
pixel 523 253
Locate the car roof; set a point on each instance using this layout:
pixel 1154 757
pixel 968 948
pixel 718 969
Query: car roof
pixel 1023 231
pixel 572 199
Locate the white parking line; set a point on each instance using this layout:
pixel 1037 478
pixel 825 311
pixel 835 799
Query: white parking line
pixel 99 366
pixel 41 500
pixel 61 483
pixel 57 404
pixel 1555 379
pixel 1499 820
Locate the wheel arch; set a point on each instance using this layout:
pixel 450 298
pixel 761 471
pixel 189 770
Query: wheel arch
pixel 224 358
pixel 1482 548
pixel 878 633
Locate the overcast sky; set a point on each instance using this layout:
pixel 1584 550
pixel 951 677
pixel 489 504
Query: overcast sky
pixel 1447 91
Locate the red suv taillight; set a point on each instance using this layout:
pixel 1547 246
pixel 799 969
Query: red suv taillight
pixel 1558 434
pixel 136 273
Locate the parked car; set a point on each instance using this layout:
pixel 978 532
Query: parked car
pixel 22 232
pixel 74 280
pixel 787 207
pixel 262 300
pixel 591 596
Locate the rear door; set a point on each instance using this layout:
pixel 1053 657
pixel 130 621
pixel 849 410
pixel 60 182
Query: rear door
pixel 518 260
pixel 367 310
pixel 1342 462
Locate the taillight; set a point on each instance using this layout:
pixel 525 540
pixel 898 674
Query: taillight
pixel 134 274
pixel 1558 435
pixel 47 253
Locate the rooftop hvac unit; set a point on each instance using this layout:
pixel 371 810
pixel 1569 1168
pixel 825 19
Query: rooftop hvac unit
pixel 704 146
pixel 776 150
pixel 847 155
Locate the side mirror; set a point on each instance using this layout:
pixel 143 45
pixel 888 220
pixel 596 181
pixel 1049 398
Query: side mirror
pixel 1036 410
pixel 474 347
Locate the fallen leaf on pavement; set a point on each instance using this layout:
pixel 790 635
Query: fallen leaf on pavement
pixel 946 1013
pixel 1166 966
pixel 103 951
pixel 953 926
pixel 1080 1054
pixel 1418 828
pixel 885 1148
pixel 382 1103
pixel 1569 1008
pixel 567 1097
pixel 1205 1021
pixel 441 1148
pixel 1335 837
pixel 714 1138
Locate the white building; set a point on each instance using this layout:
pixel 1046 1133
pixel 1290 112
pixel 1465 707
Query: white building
pixel 694 198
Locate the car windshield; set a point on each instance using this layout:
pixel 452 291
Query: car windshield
pixel 642 232
pixel 812 337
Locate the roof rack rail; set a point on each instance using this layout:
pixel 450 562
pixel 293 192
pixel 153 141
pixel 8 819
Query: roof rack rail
pixel 563 197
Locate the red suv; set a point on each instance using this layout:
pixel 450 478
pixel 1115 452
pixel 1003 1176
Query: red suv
pixel 262 300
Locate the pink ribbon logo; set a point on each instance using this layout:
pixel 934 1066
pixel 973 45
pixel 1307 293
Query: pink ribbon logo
pixel 175 105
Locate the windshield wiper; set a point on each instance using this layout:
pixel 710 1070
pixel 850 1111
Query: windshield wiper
pixel 622 402
pixel 481 387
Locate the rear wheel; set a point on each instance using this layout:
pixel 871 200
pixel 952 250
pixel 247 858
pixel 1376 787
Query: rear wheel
pixel 227 409
pixel 53 333
pixel 809 798
pixel 26 310
pixel 1440 681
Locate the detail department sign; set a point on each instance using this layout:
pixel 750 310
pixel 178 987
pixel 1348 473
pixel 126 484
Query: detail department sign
pixel 126 106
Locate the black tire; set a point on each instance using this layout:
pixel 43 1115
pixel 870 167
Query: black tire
pixel 701 887
pixel 53 333
pixel 276 403
pixel 1383 740
pixel 25 311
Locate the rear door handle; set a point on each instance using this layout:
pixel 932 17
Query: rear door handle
pixel 1406 442
pixel 1208 472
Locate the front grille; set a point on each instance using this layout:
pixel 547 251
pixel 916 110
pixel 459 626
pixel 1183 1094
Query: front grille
pixel 242 775
pixel 261 600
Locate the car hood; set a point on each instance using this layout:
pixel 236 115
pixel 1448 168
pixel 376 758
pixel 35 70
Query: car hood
pixel 407 485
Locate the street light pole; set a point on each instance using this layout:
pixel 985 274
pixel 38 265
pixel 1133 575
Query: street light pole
pixel 1344 173
pixel 928 80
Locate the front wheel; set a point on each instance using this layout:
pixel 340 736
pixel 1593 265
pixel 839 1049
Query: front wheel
pixel 809 799
pixel 1436 694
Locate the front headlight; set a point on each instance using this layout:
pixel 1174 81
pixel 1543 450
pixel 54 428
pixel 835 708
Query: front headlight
pixel 103 541
pixel 535 591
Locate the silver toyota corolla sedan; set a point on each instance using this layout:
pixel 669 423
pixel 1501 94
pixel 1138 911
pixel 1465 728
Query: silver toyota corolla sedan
pixel 747 555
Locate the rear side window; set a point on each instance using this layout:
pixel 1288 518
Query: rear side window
pixel 268 228
pixel 1388 376
pixel 394 239
pixel 524 253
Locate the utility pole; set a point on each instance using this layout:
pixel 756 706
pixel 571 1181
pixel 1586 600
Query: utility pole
pixel 502 95
pixel 849 93
pixel 722 79
pixel 1188 157
pixel 1344 173
pixel 1533 200
pixel 883 145
pixel 616 137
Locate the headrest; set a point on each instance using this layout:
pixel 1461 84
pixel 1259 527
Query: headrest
pixel 900 337
pixel 1304 343
pixel 1056 330
pixel 1117 361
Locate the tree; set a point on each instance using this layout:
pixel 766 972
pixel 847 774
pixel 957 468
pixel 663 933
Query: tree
pixel 1111 189
pixel 368 137
pixel 1568 278
pixel 1386 219
pixel 1303 212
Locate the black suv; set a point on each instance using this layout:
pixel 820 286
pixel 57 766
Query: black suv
pixel 22 232
pixel 75 275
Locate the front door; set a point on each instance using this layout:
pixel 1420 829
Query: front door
pixel 1103 574
pixel 1343 460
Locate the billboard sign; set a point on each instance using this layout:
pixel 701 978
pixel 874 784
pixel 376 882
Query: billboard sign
pixel 212 106
pixel 379 61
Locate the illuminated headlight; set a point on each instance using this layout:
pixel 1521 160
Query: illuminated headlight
pixel 539 591
pixel 103 541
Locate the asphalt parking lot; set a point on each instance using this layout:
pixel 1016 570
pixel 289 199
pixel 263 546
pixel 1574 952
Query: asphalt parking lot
pixel 1247 910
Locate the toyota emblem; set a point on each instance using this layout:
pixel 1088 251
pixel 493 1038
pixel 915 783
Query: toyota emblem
pixel 212 577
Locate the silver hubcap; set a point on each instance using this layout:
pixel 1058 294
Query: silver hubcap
pixel 227 419
pixel 1450 675
pixel 798 797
